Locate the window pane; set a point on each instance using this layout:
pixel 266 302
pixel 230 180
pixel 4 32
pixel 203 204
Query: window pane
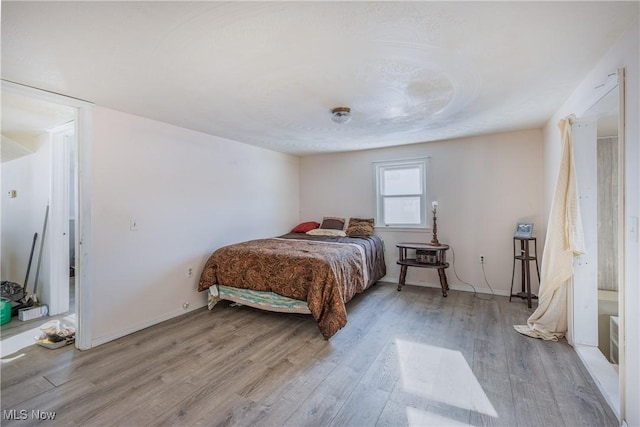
pixel 402 192
pixel 401 210
pixel 396 182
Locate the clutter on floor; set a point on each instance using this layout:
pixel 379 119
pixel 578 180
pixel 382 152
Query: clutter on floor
pixel 55 334
pixel 31 313
pixel 5 311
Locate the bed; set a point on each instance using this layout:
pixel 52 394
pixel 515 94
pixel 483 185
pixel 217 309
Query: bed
pixel 296 273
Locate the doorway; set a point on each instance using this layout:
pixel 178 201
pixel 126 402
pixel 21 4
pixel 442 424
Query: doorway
pixel 598 285
pixel 43 127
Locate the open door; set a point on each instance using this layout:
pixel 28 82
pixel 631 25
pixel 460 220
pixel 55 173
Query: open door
pixel 598 285
pixel 63 207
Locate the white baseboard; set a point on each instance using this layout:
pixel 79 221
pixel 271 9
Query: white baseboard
pixel 140 326
pixel 456 287
pixel 394 280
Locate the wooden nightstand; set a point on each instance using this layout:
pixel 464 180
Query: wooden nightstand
pixel 427 256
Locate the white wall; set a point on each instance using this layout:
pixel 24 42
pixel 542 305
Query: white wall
pixel 623 54
pixel 23 215
pixel 190 194
pixel 484 186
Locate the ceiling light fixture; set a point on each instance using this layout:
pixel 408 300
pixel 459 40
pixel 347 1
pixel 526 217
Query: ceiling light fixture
pixel 341 115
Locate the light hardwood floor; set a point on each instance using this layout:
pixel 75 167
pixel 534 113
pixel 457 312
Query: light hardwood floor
pixel 405 358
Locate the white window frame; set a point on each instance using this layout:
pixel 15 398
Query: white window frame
pixel 379 168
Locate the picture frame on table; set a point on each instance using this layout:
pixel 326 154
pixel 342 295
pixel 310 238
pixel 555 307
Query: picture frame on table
pixel 524 230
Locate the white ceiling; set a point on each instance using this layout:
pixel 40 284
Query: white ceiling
pixel 24 119
pixel 268 73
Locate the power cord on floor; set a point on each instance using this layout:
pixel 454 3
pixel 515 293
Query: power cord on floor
pixel 475 291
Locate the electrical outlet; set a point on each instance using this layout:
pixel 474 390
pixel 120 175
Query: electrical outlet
pixel 481 259
pixel 189 272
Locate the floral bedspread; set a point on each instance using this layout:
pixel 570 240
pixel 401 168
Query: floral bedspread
pixel 326 272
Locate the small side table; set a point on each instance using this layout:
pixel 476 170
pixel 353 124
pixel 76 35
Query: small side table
pixel 525 256
pixel 427 256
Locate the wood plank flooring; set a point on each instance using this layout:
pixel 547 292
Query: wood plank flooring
pixel 405 358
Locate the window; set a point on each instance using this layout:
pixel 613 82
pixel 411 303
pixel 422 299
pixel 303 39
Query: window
pixel 401 193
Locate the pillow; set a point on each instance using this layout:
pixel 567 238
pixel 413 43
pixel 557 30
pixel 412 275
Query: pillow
pixel 326 232
pixel 362 227
pixel 303 227
pixel 332 222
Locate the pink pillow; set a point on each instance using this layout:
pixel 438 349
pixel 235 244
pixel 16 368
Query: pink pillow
pixel 305 226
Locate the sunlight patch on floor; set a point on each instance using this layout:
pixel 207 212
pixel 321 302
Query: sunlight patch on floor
pixel 417 417
pixel 24 339
pixel 441 375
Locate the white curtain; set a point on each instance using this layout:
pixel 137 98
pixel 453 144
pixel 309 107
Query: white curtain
pixel 563 242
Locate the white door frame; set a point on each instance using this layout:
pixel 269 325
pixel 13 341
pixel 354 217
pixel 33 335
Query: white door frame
pixel 82 158
pixel 61 137
pixel 585 276
pixel 582 333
